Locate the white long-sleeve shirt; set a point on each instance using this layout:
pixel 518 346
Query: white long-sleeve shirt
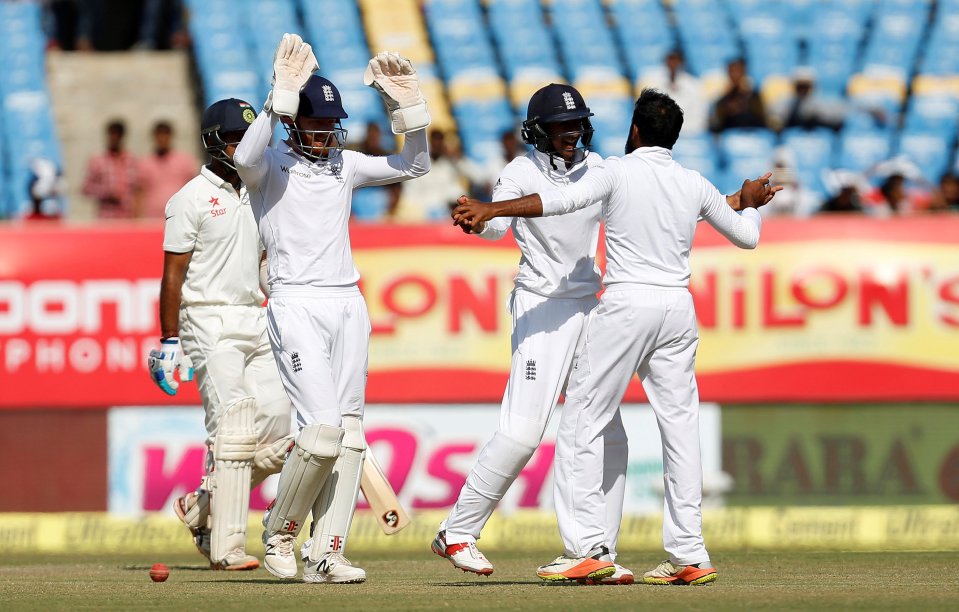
pixel 651 205
pixel 302 208
pixel 557 254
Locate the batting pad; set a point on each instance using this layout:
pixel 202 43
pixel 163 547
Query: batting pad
pixel 336 504
pixel 233 449
pixel 305 472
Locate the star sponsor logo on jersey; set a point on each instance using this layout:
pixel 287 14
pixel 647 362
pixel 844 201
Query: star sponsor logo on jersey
pixel 216 209
pixel 568 99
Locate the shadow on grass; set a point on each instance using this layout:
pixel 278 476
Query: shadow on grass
pixel 187 568
pixel 486 583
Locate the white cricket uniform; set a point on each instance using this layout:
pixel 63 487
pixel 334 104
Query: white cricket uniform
pixel 318 322
pixel 556 287
pixel 645 323
pixel 222 318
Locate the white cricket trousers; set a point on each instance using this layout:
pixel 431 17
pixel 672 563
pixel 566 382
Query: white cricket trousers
pixel 321 339
pixel 232 359
pixel 652 332
pixel 546 333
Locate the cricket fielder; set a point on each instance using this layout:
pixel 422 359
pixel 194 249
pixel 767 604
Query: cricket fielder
pixel 645 323
pixel 319 326
pixel 210 301
pixel 556 287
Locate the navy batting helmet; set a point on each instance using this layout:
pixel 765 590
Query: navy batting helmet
pixel 224 117
pixel 320 99
pixel 555 103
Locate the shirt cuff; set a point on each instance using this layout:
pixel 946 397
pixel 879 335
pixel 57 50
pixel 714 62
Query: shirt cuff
pixel 552 200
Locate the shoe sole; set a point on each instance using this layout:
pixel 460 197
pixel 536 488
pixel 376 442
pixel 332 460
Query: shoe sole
pixel 604 581
pixel 711 577
pixel 438 550
pixel 244 567
pixel 595 575
pixel 278 573
pixel 309 579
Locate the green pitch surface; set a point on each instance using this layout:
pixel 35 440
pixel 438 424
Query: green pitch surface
pixel 747 581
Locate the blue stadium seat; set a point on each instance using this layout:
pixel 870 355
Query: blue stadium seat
pixel 644 34
pixel 698 153
pixel 930 113
pixel 859 149
pixel 929 151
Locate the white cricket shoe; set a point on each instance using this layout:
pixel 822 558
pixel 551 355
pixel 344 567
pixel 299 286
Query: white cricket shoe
pixel 333 568
pixel 191 509
pixel 594 566
pixel 236 560
pixel 464 556
pixel 279 559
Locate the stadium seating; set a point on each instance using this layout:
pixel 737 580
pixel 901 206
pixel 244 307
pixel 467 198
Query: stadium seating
pixel 28 129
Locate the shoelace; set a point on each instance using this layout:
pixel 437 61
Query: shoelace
pixel 284 543
pixel 338 558
pixel 667 568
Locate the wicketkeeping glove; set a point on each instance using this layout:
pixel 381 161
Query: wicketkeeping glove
pixel 293 63
pixel 393 76
pixel 163 362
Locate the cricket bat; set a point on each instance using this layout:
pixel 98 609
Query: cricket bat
pixel 380 495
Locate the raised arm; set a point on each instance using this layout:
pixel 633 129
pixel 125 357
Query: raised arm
pixel 250 155
pixel 412 161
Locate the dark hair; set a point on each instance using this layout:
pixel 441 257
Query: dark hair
pixel 657 118
pixel 117 126
pixel 162 126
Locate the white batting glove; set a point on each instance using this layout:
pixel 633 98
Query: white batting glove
pixel 393 76
pixel 163 362
pixel 293 63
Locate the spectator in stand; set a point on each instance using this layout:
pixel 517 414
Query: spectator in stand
pixel 845 186
pixel 163 172
pixel 430 197
pixel 902 190
pixel 805 109
pixel 946 197
pixel 46 191
pixel 799 200
pixel 112 179
pixel 682 87
pixel 740 106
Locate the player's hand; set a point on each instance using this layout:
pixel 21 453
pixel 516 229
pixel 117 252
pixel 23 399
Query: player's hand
pixel 293 63
pixel 471 215
pixel 758 192
pixel 393 76
pixel 734 202
pixel 164 362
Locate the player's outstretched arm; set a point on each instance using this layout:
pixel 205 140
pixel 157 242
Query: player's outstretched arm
pixel 742 228
pixel 471 214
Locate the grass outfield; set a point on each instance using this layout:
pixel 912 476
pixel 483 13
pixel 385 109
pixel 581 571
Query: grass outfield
pixel 795 580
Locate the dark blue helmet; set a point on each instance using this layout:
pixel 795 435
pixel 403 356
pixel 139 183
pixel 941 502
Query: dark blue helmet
pixel 320 99
pixel 554 104
pixel 224 117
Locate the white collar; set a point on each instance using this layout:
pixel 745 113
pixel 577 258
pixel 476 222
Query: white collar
pixel 545 162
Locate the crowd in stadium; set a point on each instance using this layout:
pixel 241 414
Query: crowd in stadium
pixel 853 104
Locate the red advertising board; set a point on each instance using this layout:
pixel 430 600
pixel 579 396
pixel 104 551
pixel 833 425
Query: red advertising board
pixel 847 309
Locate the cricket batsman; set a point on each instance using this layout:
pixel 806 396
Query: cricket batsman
pixel 556 287
pixel 319 327
pixel 645 323
pixel 213 322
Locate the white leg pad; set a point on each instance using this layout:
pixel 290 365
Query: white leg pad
pixel 269 458
pixel 233 450
pixel 336 504
pixel 305 472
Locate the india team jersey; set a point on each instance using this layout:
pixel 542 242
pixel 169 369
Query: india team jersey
pixel 303 208
pixel 557 254
pixel 208 217
pixel 651 205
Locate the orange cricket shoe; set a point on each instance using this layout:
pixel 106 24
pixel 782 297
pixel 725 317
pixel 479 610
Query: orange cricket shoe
pixel 668 573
